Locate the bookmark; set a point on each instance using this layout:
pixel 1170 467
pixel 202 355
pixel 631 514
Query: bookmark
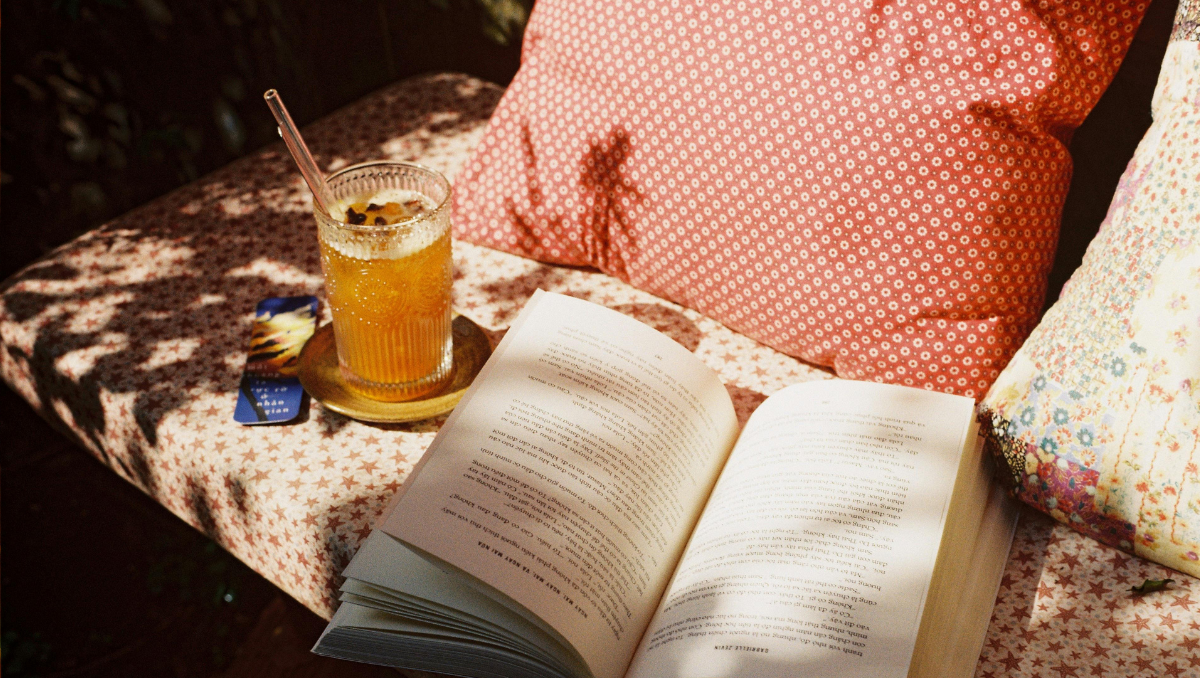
pixel 270 391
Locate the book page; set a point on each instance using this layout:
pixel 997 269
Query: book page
pixel 816 549
pixel 571 475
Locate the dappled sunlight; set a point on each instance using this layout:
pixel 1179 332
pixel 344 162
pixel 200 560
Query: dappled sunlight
pixel 82 361
pixel 170 352
pixel 132 338
pixel 1066 595
pixel 269 268
pixel 86 316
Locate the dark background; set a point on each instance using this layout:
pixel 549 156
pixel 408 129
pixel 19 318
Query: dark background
pixel 105 104
pixel 109 103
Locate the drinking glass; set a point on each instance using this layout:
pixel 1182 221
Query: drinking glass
pixel 388 286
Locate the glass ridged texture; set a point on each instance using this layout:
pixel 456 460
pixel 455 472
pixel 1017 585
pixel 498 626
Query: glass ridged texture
pixel 388 287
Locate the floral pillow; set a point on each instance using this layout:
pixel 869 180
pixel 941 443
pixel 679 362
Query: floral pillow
pixel 1097 417
pixel 874 187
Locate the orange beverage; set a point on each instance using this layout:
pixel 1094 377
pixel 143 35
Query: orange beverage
pixel 387 262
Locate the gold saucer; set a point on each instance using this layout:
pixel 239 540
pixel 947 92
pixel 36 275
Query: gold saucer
pixel 322 378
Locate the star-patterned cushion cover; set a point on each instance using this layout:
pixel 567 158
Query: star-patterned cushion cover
pixel 131 340
pixel 1097 417
pixel 874 187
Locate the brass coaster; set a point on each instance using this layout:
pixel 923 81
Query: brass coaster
pixel 321 377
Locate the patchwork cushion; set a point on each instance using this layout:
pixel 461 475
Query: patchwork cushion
pixel 1098 415
pixel 875 188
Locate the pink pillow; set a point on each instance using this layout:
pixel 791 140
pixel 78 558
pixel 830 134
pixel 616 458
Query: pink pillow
pixel 877 189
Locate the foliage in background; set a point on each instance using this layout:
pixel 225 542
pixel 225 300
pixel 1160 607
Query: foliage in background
pixel 503 20
pixel 109 103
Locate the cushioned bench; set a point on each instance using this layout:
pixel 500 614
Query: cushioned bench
pixel 131 340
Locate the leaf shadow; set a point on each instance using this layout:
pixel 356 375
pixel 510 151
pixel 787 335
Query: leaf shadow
pixel 150 314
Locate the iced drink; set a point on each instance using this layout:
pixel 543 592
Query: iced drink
pixel 386 257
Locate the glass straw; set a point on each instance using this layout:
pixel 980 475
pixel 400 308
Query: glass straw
pixel 295 144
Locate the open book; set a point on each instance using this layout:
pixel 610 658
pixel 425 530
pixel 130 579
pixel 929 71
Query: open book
pixel 591 510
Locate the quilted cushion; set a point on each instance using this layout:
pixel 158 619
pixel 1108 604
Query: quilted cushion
pixel 872 187
pixel 1098 415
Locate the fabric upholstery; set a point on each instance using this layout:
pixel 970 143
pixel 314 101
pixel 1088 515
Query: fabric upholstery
pixel 872 187
pixel 132 338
